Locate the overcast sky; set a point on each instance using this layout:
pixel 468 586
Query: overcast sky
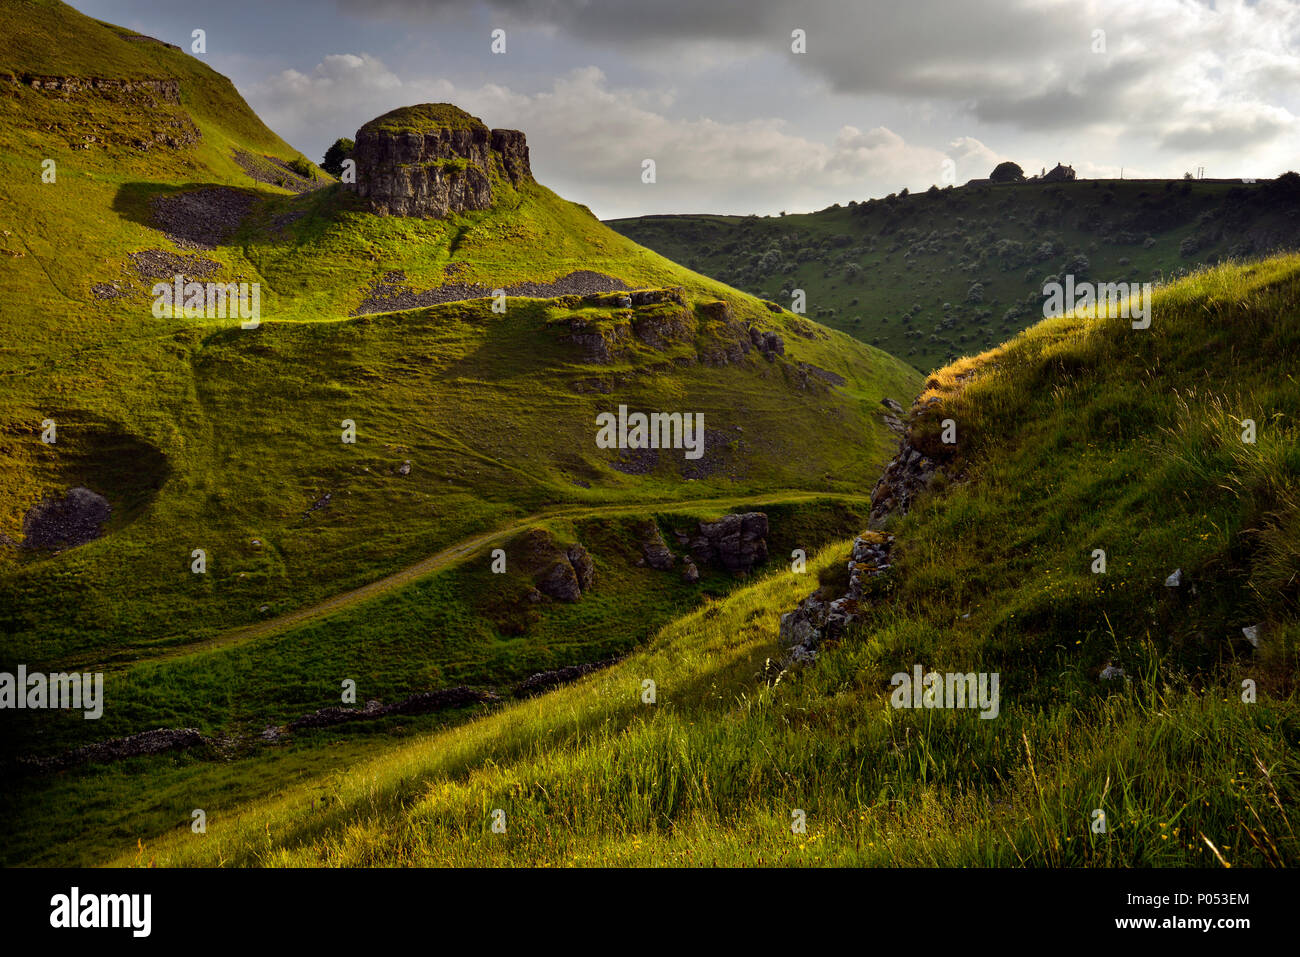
pixel 737 122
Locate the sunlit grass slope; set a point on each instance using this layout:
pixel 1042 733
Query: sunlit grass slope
pixel 204 435
pixel 1077 435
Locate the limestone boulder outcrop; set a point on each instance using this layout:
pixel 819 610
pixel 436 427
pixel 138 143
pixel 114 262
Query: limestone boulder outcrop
pixel 433 160
pixel 569 576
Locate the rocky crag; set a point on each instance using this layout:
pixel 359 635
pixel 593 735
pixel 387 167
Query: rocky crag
pixel 736 542
pixel 434 159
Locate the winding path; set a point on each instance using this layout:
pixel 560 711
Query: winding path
pixel 454 554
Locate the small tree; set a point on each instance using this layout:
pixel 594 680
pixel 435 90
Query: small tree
pixel 1007 172
pixel 335 155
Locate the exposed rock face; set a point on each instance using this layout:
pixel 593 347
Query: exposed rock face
pixel 655 549
pixel 512 148
pixel 662 326
pixel 826 616
pixel 664 320
pixel 74 519
pixel 163 89
pixel 433 160
pixel 560 581
pixel 153 107
pixel 387 294
pixel 819 617
pixel 736 542
pixel 768 343
pixel 892 416
pixel 568 576
pixel 906 476
pixel 726 340
pixel 600 343
pixel 910 472
pixel 583 567
pixel 658 318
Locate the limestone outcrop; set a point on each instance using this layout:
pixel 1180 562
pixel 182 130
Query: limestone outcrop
pixel 433 159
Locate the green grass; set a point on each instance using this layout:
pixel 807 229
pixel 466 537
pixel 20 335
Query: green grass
pixel 206 436
pixel 234 434
pixel 1079 433
pixel 1075 435
pixel 900 272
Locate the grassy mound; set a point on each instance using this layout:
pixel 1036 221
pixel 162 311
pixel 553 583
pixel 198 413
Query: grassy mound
pixel 421 117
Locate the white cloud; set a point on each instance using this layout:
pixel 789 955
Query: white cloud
pixel 588 140
pixel 1170 67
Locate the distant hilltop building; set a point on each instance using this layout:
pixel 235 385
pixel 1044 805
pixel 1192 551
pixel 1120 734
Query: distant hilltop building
pixel 1059 174
pixel 1008 172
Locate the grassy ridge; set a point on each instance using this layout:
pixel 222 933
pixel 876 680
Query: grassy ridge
pixel 461 625
pixel 1080 433
pixel 933 276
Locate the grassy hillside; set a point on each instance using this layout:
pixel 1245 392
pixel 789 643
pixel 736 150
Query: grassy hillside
pixel 470 424
pixel 941 274
pixel 1078 434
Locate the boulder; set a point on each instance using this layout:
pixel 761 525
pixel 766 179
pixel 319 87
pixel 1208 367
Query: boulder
pixel 663 326
pixel 560 581
pixel 654 548
pixel 819 618
pixel 583 567
pixel 651 297
pixel 768 343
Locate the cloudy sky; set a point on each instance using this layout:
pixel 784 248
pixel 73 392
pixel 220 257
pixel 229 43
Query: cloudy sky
pixel 885 95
